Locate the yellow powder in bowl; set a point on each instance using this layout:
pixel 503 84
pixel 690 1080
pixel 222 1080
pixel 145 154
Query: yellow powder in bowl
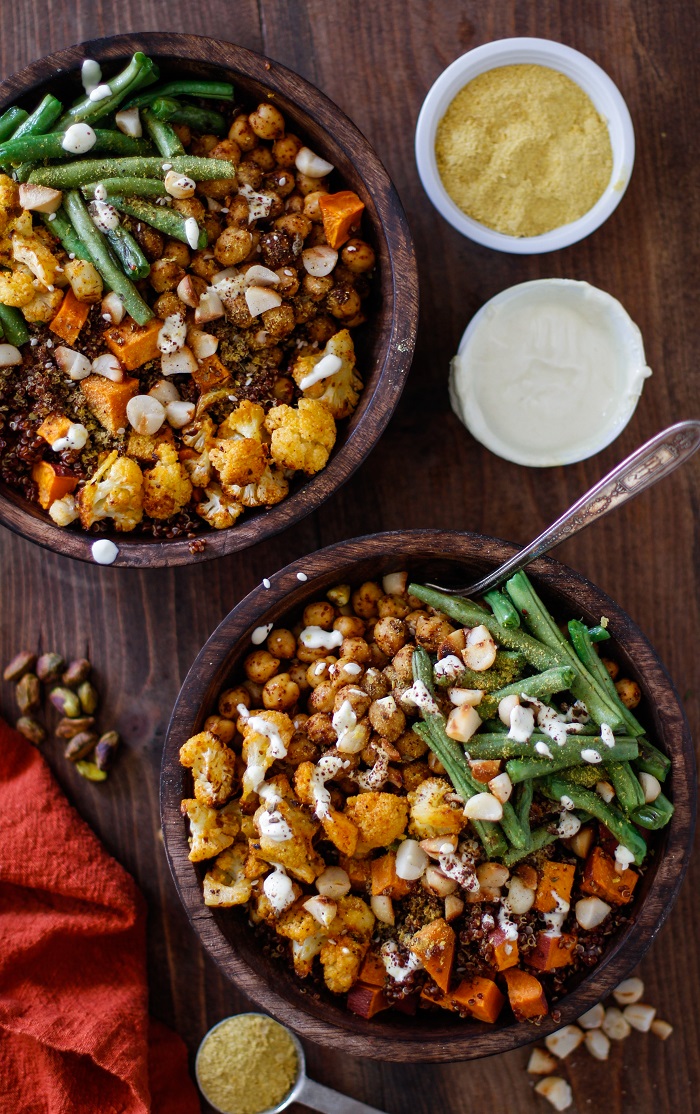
pixel 247 1064
pixel 523 150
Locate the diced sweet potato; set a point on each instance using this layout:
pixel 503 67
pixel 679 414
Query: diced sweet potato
pixel 604 879
pixel 505 951
pixel 70 318
pixel 341 831
pixel 358 871
pixel 373 971
pixel 552 951
pixel 525 994
pixel 481 997
pixel 210 373
pixel 385 879
pixel 484 769
pixel 51 484
pixel 53 427
pixel 108 400
pixel 408 1005
pixel 366 1000
pixel 435 997
pixel 134 345
pixel 341 214
pixel 434 944
pixel 555 879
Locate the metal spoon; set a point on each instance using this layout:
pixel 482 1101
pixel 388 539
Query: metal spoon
pixel 656 459
pixel 313 1095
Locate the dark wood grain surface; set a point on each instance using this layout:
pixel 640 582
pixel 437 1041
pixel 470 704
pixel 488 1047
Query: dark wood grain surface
pixel 143 629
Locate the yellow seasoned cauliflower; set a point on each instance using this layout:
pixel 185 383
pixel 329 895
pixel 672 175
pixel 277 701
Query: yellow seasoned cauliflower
pixel 296 854
pixel 306 935
pixel 43 306
pixel 213 768
pixel 220 508
pixel 247 420
pixel 341 959
pixel 199 434
pixel 340 391
pixel 115 491
pixel 16 288
pixel 302 439
pixel 353 918
pixel 166 486
pixel 9 201
pixel 197 466
pixel 225 884
pixel 380 817
pixel 211 830
pixel 34 253
pixel 269 489
pixel 262 909
pixel 431 814
pixel 85 280
pixel 266 737
pixel 241 461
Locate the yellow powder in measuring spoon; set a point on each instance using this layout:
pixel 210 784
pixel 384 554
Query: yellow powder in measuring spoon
pixel 247 1064
pixel 523 150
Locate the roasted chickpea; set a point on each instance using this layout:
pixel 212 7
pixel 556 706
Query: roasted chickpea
pixel 316 287
pixel 213 226
pixel 375 684
pixel 279 321
pixel 294 203
pixel 355 649
pixel 436 765
pixel 612 667
pixel 262 157
pixel 414 773
pixel 629 692
pixel 165 275
pixel 280 693
pixel 283 389
pixel 183 133
pixel 260 666
pixel 394 606
pixel 248 174
pixel 386 718
pixel 255 691
pixel 365 598
pixel 322 698
pixel 377 657
pixel 321 329
pixel 297 672
pixel 238 210
pixel 350 626
pixel 149 240
pixel 286 148
pixel 346 672
pixel 358 256
pixel 189 207
pixel 228 150
pixel 312 209
pixel 267 121
pixel 232 246
pixel 218 188
pixel 231 698
pixel 356 697
pixel 432 630
pixel 390 635
pixel 296 224
pixel 224 729
pixel 238 313
pixel 317 672
pixel 281 181
pixel 168 304
pixel 343 302
pixel 320 730
pixel 410 746
pixel 203 145
pixel 402 664
pixel 205 264
pixel 301 749
pixel 310 185
pixel 281 643
pixel 288 281
pixel 242 134
pixel 320 614
pixel 412 618
pixel 174 249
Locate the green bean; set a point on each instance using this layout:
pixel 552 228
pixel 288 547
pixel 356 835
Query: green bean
pixel 13 325
pixel 162 135
pixel 126 187
pixel 587 776
pixel 212 90
pixel 71 175
pixel 519 769
pixel 101 257
pixel 614 821
pixel 655 814
pixel 652 761
pixel 203 120
pixel 128 252
pixel 628 791
pixel 489 747
pixel 502 608
pixel 585 649
pixel 41 119
pixel 598 633
pixel 139 72
pixel 464 611
pixel 10 121
pixel 168 221
pixel 540 686
pixel 540 838
pixel 59 225
pixel 542 626
pixel 36 147
pixel 522 803
pixel 508 666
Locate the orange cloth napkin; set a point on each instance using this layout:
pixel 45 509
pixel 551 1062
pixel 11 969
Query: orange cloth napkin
pixel 75 1036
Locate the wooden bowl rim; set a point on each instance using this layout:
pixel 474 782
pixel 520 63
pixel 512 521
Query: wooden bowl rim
pixel 286 593
pixel 401 315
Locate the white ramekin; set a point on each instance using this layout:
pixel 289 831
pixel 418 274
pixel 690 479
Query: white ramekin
pixel 544 52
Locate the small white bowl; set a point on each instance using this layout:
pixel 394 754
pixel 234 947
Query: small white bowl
pixel 544 52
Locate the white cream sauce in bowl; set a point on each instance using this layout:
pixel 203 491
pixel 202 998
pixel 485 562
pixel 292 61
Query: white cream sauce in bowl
pixel 548 372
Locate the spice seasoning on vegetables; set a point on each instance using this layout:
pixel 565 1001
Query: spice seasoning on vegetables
pixel 247 1064
pixel 523 150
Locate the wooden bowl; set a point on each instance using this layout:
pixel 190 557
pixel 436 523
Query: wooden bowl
pixel 226 934
pixel 385 344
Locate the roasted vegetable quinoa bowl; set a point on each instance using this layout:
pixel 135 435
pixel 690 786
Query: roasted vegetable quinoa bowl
pixel 361 924
pixel 190 362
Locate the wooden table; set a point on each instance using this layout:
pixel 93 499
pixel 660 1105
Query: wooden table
pixel 143 629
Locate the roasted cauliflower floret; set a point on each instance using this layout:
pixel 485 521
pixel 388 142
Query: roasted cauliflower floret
pixel 341 390
pixel 353 918
pixel 166 486
pixel 9 201
pixel 246 421
pixel 296 854
pixel 302 439
pixel 266 737
pixel 306 936
pixel 16 288
pixel 239 461
pixel 199 434
pixel 35 255
pixel 213 768
pixel 115 491
pixel 220 509
pixel 225 884
pixel 43 306
pixel 431 814
pixel 197 466
pixel 341 960
pixel 271 488
pixel 211 830
pixel 380 817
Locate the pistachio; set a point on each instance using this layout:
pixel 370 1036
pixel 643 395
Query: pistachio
pixel 77 672
pixel 90 771
pixel 49 668
pixel 65 701
pixel 68 728
pixel 31 730
pixel 87 695
pixel 340 595
pixel 28 693
pixel 20 664
pixel 80 745
pixel 105 750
